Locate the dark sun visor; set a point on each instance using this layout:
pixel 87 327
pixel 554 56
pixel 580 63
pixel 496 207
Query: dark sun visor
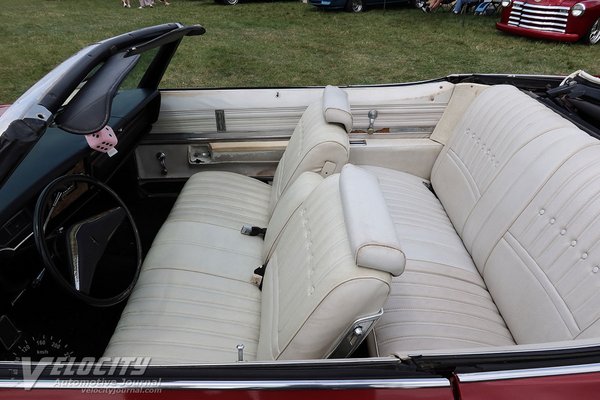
pixel 89 110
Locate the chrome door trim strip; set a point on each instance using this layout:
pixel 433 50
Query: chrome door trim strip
pixel 528 373
pixel 228 385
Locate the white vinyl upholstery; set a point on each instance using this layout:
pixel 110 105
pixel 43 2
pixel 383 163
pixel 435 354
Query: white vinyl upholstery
pixel 194 301
pixel 549 258
pixel 370 229
pixel 336 107
pixel 440 301
pixel 223 198
pixel 178 316
pixel 485 264
pixel 233 200
pixel 501 248
pixel 200 260
pixel 287 205
pixel 315 146
pixel 499 123
pixel 313 289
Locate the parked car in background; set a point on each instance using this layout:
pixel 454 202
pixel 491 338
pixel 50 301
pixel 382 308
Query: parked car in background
pixel 354 5
pixel 566 21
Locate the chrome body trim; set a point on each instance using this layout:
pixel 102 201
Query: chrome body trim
pixel 529 373
pixel 534 12
pixel 539 17
pixel 73 383
pixel 543 20
pixel 521 3
pixel 370 360
pixel 539 28
pixel 351 339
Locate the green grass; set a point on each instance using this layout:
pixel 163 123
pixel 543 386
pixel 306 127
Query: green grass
pixel 283 43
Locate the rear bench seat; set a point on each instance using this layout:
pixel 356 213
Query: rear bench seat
pixel 505 248
pixel 331 265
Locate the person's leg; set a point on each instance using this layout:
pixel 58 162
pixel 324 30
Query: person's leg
pixel 434 4
pixel 457 6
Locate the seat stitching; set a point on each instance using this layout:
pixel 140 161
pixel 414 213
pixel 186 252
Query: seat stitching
pixel 132 314
pixel 405 338
pixel 479 284
pixel 146 298
pixel 447 325
pixel 552 298
pixel 449 312
pixel 396 296
pixel 533 197
pixel 155 327
pixel 205 288
pixel 194 345
pixel 169 242
pixel 160 267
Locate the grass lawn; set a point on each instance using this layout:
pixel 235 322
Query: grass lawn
pixel 285 43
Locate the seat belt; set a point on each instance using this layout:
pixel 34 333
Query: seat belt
pixel 429 186
pixel 259 274
pixel 250 230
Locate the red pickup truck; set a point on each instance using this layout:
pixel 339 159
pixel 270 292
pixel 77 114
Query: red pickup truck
pixel 562 20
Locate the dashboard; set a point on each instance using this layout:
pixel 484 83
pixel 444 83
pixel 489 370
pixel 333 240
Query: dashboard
pixel 34 310
pixel 58 153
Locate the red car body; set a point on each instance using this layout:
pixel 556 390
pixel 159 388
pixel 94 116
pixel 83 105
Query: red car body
pixel 551 19
pixel 577 386
pixel 3 107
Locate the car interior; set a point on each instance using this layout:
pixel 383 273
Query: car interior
pixel 458 215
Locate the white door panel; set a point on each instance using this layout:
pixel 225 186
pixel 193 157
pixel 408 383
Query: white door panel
pixel 198 119
pixel 278 110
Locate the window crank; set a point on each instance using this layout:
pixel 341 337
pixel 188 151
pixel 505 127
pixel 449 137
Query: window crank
pixel 372 117
pixel 162 159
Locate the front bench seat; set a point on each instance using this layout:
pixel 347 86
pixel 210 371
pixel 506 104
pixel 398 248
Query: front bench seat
pixel 332 264
pixel 202 232
pixel 318 144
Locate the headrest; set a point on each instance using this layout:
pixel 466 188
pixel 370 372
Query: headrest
pixel 370 228
pixel 336 107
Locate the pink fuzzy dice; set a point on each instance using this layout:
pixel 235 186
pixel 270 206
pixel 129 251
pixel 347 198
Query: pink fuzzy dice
pixel 103 141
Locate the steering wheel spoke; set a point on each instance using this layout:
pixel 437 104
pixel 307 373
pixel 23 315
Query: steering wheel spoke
pixel 87 241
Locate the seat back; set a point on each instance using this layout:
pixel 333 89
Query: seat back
pixel 520 184
pixel 544 272
pixel 498 123
pixel 323 275
pixel 319 143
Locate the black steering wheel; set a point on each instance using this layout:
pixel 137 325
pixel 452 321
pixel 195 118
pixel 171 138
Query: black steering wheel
pixel 85 241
